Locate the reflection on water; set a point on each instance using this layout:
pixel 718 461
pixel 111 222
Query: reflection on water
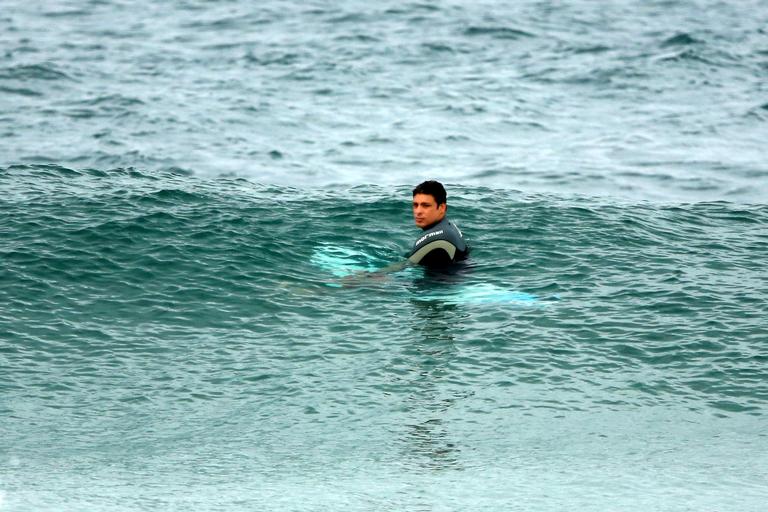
pixel 427 440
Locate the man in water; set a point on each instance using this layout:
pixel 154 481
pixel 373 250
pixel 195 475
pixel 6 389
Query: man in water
pixel 442 242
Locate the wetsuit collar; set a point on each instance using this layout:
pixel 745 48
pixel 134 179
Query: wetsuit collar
pixel 425 228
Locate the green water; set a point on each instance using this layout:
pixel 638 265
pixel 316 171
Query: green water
pixel 167 343
pixel 169 172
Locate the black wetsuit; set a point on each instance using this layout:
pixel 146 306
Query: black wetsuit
pixel 441 244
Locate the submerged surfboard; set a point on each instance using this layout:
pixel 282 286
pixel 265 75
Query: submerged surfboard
pixel 340 262
pixel 479 293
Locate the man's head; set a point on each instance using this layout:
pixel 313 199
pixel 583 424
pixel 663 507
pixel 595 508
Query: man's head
pixel 429 203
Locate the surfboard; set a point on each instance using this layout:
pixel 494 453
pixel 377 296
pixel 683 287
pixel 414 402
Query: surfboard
pixel 342 261
pixel 339 262
pixel 479 293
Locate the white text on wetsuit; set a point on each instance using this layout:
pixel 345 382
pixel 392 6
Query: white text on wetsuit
pixel 428 235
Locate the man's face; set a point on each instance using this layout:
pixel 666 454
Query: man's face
pixel 426 211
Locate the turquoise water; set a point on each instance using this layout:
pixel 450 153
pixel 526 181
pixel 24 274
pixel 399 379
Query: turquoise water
pixel 168 343
pixel 179 183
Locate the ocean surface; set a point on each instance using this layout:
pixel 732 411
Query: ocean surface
pixel 175 177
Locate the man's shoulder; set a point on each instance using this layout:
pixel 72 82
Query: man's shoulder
pixel 445 229
pixel 453 228
pixel 439 244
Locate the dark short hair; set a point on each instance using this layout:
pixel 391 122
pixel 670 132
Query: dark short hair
pixel 432 188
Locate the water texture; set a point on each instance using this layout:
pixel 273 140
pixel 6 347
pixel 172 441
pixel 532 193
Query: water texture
pixel 168 343
pixel 660 100
pixel 170 171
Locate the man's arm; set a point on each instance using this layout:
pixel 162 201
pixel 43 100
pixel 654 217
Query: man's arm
pixel 363 275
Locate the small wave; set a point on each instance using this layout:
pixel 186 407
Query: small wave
pixel 686 54
pixel 176 171
pixel 227 23
pixel 731 406
pixel 72 13
pixel 33 72
pixel 466 110
pixel 102 106
pixel 679 40
pixel 497 32
pixel 491 173
pixel 34 171
pixel 80 113
pixel 174 196
pixel 44 169
pixel 439 47
pixel 415 7
pixel 599 48
pixel 111 100
pixel 23 91
pixel 127 159
pixel 362 38
pixel 273 58
pixel 349 18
